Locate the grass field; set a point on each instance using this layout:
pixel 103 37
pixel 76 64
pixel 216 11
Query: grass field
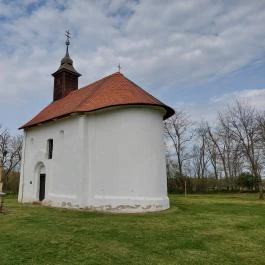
pixel 205 229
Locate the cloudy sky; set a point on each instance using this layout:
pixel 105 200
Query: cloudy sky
pixel 195 55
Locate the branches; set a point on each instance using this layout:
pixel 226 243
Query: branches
pixel 243 128
pixel 178 131
pixel 236 144
pixel 10 152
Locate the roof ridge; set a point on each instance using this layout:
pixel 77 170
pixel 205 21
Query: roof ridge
pixel 99 80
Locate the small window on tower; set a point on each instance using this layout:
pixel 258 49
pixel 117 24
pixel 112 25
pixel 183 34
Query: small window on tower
pixel 50 148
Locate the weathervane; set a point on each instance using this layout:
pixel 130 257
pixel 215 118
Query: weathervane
pixel 67 43
pixel 119 67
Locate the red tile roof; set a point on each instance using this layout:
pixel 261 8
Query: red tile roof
pixel 113 90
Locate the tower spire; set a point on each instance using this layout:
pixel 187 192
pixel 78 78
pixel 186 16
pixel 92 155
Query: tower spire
pixel 67 62
pixel 66 77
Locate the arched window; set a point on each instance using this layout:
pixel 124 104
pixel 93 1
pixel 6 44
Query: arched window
pixel 61 133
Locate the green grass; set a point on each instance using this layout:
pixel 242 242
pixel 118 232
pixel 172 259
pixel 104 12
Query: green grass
pixel 198 229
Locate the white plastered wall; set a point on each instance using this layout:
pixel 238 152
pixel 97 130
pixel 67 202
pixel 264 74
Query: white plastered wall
pixel 63 171
pixel 106 160
pixel 128 162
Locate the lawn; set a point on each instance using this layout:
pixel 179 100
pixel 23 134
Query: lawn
pixel 198 229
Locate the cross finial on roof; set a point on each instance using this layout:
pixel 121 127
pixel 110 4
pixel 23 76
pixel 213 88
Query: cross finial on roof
pixel 67 43
pixel 119 67
pixel 68 36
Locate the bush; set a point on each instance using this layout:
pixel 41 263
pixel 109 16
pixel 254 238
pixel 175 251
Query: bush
pixel 177 184
pixel 12 183
pixel 203 185
pixel 246 180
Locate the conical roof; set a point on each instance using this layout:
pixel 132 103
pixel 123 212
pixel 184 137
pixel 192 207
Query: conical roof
pixel 67 64
pixel 113 90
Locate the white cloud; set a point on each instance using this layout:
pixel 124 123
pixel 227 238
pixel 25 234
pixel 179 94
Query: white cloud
pixel 254 97
pixel 208 111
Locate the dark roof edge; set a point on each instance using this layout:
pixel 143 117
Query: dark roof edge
pixel 66 70
pixel 169 112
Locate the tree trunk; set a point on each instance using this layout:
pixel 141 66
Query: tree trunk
pixel 261 195
pixel 259 182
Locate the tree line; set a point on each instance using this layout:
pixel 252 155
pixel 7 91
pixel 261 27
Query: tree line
pixel 230 153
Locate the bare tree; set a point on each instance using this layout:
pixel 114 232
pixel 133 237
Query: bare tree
pixel 213 155
pixel 219 142
pixel 200 150
pixel 261 125
pixel 10 153
pixel 178 131
pixel 261 130
pixel 240 123
pixel 224 151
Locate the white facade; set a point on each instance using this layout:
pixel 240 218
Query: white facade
pixel 111 160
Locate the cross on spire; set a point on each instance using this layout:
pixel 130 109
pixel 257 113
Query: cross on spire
pixel 68 36
pixel 119 67
pixel 67 43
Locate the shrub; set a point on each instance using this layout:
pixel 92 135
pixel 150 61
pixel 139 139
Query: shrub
pixel 246 180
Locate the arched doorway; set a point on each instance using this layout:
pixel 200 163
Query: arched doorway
pixel 41 176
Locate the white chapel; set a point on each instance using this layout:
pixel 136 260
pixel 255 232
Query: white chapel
pixel 98 147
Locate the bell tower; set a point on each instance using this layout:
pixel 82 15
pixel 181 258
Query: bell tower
pixel 66 77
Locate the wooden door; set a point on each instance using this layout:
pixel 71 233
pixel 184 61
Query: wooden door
pixel 42 187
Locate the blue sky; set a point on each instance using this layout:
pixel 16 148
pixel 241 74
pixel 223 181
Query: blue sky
pixel 197 56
